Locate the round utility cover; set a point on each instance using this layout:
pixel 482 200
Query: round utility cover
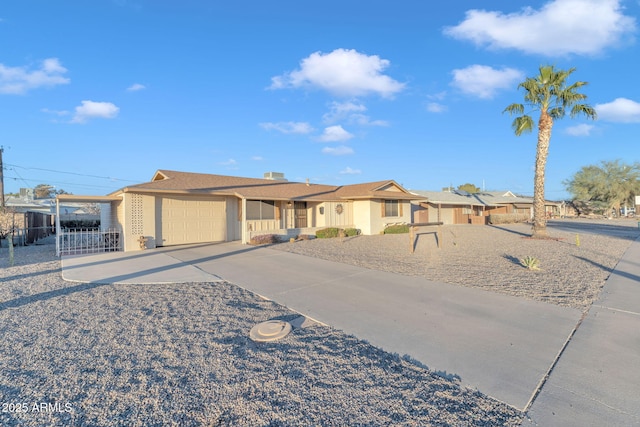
pixel 270 330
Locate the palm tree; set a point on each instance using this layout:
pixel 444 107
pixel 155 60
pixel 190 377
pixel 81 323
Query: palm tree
pixel 548 93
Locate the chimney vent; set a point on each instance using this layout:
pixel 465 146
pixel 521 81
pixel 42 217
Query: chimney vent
pixel 274 176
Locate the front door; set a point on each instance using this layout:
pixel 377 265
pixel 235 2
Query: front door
pixel 300 214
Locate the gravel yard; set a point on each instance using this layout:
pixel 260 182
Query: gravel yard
pixel 488 257
pixel 179 354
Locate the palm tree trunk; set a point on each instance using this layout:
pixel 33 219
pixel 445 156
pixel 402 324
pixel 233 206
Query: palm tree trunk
pixel 542 151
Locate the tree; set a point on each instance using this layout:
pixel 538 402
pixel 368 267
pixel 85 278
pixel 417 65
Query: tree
pixel 43 191
pixel 469 188
pixel 46 191
pixel 611 184
pixel 549 94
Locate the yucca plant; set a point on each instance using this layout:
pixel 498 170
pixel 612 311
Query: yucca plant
pixel 532 263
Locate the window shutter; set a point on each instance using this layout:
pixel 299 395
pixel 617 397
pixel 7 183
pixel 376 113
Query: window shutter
pixel 400 207
pixel 382 211
pixel 239 209
pixel 277 207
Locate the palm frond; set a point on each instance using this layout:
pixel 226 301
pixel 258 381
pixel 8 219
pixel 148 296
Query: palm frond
pixel 522 124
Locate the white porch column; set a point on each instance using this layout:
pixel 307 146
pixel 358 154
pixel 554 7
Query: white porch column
pixel 58 230
pixel 243 222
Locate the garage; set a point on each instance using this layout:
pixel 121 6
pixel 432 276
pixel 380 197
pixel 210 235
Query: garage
pixel 184 220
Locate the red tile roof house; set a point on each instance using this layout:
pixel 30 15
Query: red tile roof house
pixel 177 208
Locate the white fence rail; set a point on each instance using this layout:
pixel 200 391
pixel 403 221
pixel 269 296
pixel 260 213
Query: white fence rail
pixel 87 241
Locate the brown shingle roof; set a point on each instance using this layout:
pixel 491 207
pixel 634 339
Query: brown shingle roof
pixel 167 181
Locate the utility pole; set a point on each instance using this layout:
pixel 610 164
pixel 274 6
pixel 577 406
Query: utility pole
pixel 1 179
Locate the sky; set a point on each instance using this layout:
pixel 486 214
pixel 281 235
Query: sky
pixel 98 95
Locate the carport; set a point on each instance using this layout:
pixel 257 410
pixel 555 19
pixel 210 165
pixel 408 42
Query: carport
pixel 79 240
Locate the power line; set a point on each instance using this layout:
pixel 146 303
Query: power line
pixel 70 173
pixel 58 182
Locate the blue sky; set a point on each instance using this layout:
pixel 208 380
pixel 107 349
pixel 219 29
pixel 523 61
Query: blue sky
pixel 96 95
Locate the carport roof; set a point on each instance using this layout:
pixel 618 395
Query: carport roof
pixel 175 182
pixel 86 199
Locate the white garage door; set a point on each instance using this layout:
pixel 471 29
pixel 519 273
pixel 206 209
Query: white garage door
pixel 186 220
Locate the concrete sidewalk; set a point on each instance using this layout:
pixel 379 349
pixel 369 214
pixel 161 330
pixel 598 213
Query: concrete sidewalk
pixel 597 379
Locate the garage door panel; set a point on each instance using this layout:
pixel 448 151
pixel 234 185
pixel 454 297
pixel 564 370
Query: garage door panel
pixel 186 220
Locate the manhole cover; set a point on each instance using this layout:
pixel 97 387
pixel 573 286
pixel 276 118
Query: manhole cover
pixel 270 330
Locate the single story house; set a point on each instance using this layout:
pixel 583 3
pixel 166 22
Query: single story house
pixel 177 208
pixel 448 207
pixel 460 207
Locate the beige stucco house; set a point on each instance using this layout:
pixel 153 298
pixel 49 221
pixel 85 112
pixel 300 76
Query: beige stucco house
pixel 176 208
pixel 460 207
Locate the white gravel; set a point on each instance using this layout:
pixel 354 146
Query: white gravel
pixel 156 355
pixel 489 257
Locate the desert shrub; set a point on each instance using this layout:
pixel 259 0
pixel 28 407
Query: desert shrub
pixel 349 232
pixel 326 233
pixel 532 263
pixel 306 237
pixel 264 239
pixel 508 218
pixel 396 229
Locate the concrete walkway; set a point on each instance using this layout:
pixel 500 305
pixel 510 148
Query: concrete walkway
pixel 503 346
pixel 597 379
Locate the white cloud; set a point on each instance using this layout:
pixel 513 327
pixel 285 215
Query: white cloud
pixel 364 120
pixel 435 107
pixel 341 150
pixel 559 27
pixel 335 134
pixel 620 110
pixel 59 113
pixel 351 112
pixel 230 162
pixel 289 127
pixel 136 87
pixel 349 171
pixel 342 110
pixel 580 130
pixel 483 81
pixel 257 158
pixel 19 80
pixel 343 73
pixel 94 110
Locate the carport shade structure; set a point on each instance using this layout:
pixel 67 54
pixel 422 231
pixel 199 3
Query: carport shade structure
pixel 70 198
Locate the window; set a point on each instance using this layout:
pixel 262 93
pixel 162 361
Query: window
pixel 391 208
pixel 261 209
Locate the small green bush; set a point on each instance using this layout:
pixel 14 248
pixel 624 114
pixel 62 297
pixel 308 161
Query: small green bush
pixel 350 232
pixel 397 229
pixel 326 233
pixel 264 239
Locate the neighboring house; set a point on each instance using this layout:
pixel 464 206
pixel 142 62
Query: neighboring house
pixel 448 207
pixel 460 207
pixel 177 208
pixel 28 219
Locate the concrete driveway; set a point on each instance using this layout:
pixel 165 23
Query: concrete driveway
pixel 501 345
pixel 546 359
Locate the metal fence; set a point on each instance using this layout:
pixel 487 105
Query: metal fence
pixel 26 236
pixel 87 241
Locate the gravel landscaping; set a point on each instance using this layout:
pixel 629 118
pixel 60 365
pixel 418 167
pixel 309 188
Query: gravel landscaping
pixel 180 355
pixel 574 263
